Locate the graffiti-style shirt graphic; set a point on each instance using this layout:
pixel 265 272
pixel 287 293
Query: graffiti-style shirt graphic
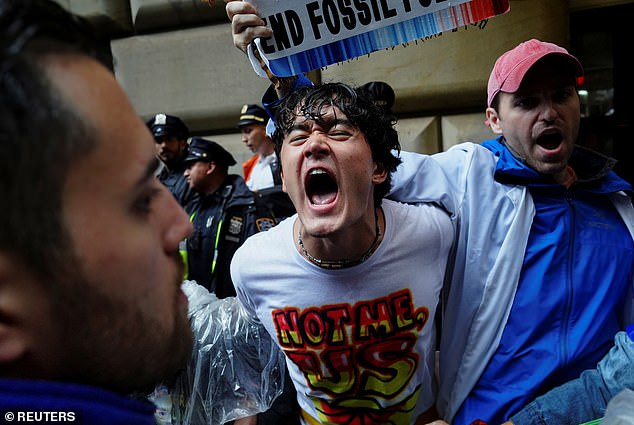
pixel 362 357
pixel 359 342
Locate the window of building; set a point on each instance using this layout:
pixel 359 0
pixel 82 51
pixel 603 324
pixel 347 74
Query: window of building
pixel 602 41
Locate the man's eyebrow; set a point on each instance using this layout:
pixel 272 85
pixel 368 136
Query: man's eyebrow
pixel 303 126
pixel 345 122
pixel 324 123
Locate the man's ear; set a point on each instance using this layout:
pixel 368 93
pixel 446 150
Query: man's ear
pixel 212 167
pixel 283 181
pixel 380 173
pixel 494 120
pixel 13 343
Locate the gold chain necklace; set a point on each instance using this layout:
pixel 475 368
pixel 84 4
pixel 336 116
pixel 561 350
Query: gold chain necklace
pixel 341 264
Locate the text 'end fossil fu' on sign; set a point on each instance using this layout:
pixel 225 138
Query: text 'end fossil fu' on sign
pixel 311 34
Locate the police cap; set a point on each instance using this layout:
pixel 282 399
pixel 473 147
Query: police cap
pixel 208 151
pixel 163 125
pixel 380 93
pixel 253 114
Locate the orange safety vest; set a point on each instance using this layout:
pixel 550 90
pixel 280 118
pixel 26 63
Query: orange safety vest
pixel 247 166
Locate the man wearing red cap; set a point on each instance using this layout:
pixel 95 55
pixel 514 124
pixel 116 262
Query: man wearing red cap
pixel 542 276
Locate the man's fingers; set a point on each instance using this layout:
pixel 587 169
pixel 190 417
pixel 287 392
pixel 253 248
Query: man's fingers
pixel 246 28
pixel 234 8
pixel 251 33
pixel 246 24
pixel 242 40
pixel 241 23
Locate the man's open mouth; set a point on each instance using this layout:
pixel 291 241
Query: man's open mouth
pixel 550 141
pixel 321 188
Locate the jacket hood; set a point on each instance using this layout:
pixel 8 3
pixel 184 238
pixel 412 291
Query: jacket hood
pixel 592 169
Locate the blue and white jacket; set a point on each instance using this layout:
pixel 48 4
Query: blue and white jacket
pixel 488 194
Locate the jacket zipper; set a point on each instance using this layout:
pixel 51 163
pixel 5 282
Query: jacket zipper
pixel 569 280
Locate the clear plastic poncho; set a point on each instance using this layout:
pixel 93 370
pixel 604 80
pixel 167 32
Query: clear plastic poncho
pixel 236 369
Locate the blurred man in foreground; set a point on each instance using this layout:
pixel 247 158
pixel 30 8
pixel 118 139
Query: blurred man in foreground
pixel 91 306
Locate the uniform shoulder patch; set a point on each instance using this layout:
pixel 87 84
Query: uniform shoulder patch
pixel 264 224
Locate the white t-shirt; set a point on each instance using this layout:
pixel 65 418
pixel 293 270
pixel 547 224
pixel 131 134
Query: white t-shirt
pixel 261 176
pixel 359 341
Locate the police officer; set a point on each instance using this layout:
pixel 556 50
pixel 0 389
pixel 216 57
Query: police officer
pixel 170 134
pixel 262 171
pixel 225 215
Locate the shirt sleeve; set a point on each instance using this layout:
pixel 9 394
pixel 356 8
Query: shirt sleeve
pixel 586 398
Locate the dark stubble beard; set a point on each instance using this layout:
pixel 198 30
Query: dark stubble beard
pixel 112 344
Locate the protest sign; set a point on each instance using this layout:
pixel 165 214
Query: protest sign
pixel 311 34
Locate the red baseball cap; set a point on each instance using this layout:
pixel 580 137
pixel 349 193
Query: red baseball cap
pixel 510 68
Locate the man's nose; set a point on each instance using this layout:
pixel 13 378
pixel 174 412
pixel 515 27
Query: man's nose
pixel 549 111
pixel 316 145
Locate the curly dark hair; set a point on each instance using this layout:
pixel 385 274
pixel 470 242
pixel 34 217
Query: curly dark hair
pixel 374 122
pixel 41 135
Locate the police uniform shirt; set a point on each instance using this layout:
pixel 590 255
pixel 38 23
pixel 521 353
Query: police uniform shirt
pixel 203 242
pixel 221 222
